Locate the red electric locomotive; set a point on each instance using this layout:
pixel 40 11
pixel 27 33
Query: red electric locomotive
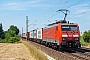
pixel 62 34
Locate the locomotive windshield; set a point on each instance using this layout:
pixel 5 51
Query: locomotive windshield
pixel 69 28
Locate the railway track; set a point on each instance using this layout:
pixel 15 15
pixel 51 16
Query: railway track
pixel 80 55
pixel 77 54
pixel 84 51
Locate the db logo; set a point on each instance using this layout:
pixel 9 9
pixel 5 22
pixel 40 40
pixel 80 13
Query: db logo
pixel 70 35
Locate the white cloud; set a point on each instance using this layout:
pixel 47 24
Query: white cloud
pixel 19 5
pixel 23 5
pixel 13 6
pixel 10 4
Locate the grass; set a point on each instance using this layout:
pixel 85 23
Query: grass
pixel 36 53
pixel 84 43
pixel 5 41
pixel 2 41
pixel 10 40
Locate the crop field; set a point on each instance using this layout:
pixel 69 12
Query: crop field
pixel 19 51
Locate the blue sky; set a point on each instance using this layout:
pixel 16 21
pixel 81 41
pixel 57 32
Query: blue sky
pixel 14 12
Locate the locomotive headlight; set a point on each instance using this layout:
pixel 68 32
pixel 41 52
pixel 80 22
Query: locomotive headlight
pixel 63 38
pixel 76 38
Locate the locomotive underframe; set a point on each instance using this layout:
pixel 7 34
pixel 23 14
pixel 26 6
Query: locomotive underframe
pixel 75 44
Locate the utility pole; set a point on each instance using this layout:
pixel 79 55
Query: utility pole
pixel 26 26
pixel 22 31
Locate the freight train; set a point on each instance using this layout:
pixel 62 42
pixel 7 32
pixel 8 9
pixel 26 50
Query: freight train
pixel 59 35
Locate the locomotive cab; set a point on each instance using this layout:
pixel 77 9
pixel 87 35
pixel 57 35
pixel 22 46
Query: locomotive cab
pixel 70 35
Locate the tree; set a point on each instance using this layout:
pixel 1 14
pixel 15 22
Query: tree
pixel 9 36
pixel 2 35
pixel 14 29
pixel 12 34
pixel 86 36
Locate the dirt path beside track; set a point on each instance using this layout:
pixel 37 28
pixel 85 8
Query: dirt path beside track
pixel 14 52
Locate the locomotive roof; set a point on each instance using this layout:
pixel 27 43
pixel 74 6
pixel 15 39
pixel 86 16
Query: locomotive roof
pixel 69 24
pixel 65 24
pixel 62 23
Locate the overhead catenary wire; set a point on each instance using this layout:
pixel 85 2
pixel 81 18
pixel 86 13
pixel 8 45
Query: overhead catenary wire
pixel 67 8
pixel 33 23
pixel 87 10
pixel 49 10
pixel 64 4
pixel 74 4
pixel 53 7
pixel 48 18
pixel 53 11
pixel 49 21
pixel 58 13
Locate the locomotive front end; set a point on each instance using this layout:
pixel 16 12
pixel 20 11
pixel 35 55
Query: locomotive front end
pixel 70 35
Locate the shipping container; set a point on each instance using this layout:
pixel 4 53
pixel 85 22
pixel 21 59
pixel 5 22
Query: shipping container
pixel 39 33
pixel 35 34
pixel 31 34
pixel 28 34
pixel 23 35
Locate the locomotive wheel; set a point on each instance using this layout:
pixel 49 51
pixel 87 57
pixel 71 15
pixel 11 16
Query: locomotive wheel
pixel 76 46
pixel 55 46
pixel 46 44
pixel 72 45
pixel 52 45
pixel 59 47
pixel 79 45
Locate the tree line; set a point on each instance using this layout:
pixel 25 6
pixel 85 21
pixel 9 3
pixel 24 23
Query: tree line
pixel 86 36
pixel 9 36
